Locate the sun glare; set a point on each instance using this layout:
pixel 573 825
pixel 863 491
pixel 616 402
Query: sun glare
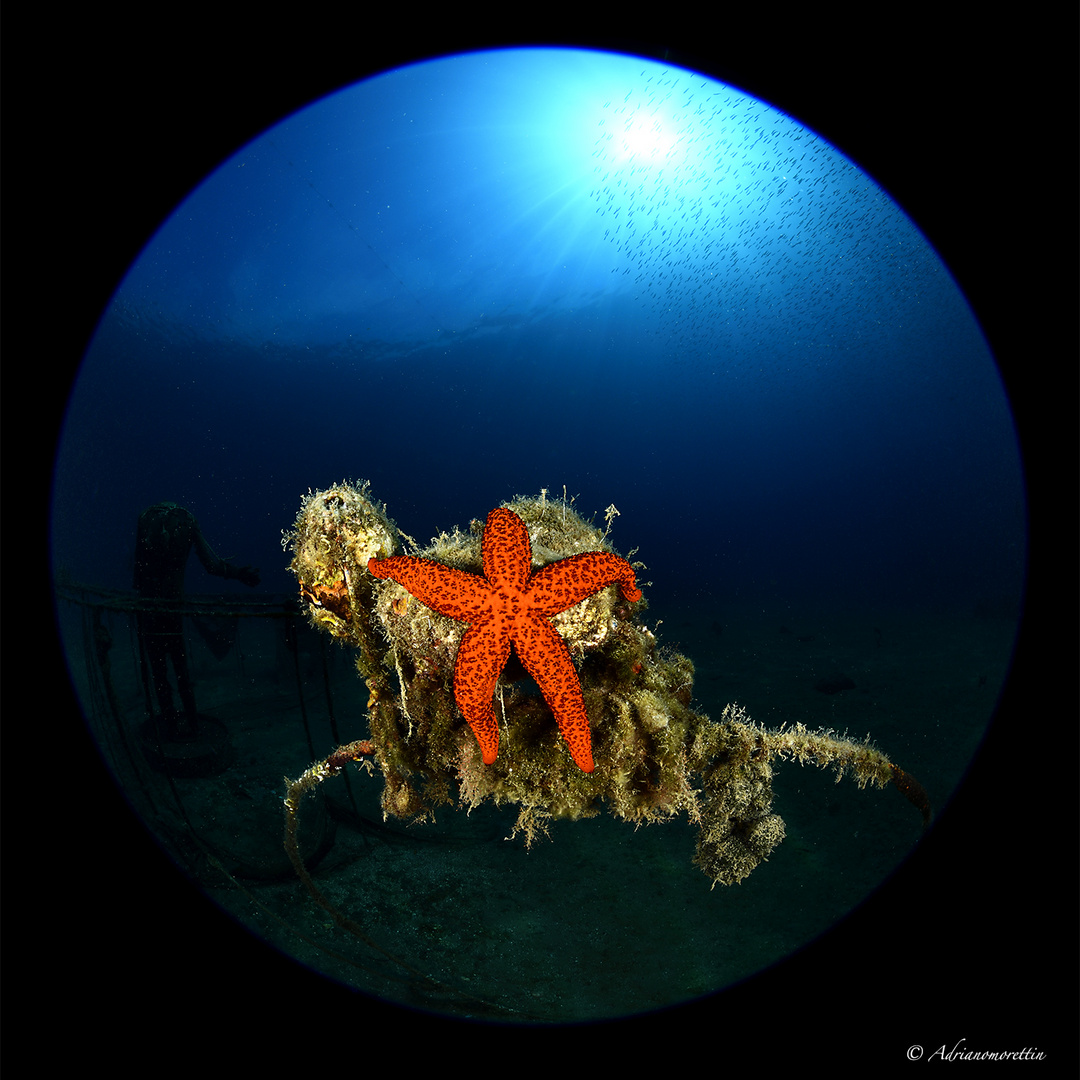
pixel 644 141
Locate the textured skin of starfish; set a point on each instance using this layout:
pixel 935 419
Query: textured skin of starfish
pixel 508 605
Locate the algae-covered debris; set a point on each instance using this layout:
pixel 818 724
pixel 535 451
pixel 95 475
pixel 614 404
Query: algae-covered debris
pixel 336 532
pixel 655 756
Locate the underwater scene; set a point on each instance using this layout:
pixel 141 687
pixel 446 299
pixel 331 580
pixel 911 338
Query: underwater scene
pixel 538 536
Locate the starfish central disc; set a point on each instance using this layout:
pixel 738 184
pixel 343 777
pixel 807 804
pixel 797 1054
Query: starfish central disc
pixel 510 605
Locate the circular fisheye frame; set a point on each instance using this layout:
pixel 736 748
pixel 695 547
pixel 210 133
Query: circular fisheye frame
pixel 537 536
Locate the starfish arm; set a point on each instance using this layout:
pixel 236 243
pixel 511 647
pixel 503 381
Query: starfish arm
pixel 481 656
pixel 442 588
pixel 562 584
pixel 505 550
pixel 547 660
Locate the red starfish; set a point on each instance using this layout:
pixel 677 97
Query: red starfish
pixel 506 606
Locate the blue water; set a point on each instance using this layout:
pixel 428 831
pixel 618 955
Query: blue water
pixel 478 278
pixel 486 276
